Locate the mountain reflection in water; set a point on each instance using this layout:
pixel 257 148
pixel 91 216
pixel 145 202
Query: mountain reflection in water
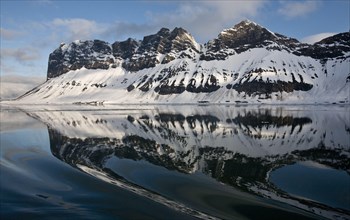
pixel 162 152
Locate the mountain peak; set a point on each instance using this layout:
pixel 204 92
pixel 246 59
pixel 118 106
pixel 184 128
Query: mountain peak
pixel 164 42
pixel 245 23
pixel 163 31
pixel 178 31
pixel 182 39
pixel 242 36
pixel 246 27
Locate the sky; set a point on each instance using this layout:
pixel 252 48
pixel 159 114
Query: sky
pixel 32 29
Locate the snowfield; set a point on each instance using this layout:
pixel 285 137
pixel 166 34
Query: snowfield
pixel 328 80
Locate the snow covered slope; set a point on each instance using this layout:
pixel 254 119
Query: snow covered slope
pixel 246 63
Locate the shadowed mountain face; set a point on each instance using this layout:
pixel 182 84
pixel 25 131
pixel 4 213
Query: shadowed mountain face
pixel 137 54
pixel 236 146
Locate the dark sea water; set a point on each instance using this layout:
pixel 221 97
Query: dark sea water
pixel 175 162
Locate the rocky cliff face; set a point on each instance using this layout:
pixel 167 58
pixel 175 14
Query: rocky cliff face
pixel 137 55
pixel 244 36
pixel 162 47
pixel 89 54
pixel 246 62
pixel 336 46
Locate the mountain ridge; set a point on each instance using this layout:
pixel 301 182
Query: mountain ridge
pixel 244 63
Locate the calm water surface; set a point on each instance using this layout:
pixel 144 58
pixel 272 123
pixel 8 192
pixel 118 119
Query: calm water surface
pixel 175 162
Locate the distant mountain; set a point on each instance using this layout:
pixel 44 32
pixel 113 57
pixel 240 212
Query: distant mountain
pixel 245 63
pixel 13 86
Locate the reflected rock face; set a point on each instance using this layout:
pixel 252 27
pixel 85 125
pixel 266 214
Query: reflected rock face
pixel 236 146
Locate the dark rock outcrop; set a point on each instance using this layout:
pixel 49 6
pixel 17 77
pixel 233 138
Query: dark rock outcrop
pixel 331 47
pixel 244 36
pixel 125 49
pixel 260 87
pixel 138 55
pixel 163 42
pixel 89 54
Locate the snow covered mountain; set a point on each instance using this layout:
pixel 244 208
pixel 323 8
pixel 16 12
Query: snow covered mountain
pixel 246 63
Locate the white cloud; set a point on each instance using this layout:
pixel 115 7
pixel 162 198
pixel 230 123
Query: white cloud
pixel 205 19
pixel 20 54
pixel 293 9
pixel 77 28
pixel 316 37
pixel 231 10
pixel 13 86
pixel 8 34
pixel 120 30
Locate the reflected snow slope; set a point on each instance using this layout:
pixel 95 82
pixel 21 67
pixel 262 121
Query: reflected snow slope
pixel 179 155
